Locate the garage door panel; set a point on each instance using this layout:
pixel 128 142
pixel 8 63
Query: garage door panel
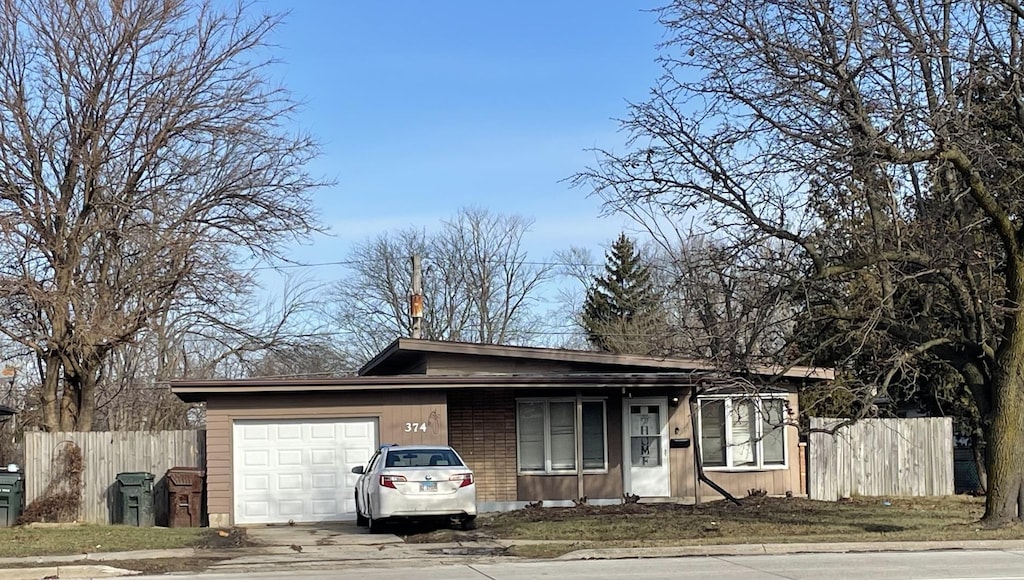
pixel 257 509
pixel 357 429
pixel 323 431
pixel 324 481
pixel 289 469
pixel 256 459
pixel 255 432
pixel 256 483
pixel 325 508
pixel 349 505
pixel 289 457
pixel 289 432
pixel 289 482
pixel 358 456
pixel 291 509
pixel 323 456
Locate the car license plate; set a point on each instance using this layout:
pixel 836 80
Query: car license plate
pixel 428 486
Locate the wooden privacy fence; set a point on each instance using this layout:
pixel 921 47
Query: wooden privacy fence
pixel 880 457
pixel 107 453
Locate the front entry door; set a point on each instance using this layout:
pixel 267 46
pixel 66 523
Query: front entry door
pixel 646 447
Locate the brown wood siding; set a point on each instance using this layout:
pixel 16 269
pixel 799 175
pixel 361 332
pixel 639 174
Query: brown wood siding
pixel 392 409
pixel 738 483
pixel 563 487
pixel 482 428
pixel 449 364
pixel 680 460
pixel 547 487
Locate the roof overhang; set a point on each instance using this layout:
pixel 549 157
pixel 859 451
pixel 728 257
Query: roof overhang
pixel 198 391
pixel 403 348
pixel 6 412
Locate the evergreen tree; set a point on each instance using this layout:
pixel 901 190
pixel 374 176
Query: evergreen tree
pixel 622 312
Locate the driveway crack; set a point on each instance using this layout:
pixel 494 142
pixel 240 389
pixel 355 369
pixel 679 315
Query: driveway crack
pixel 489 577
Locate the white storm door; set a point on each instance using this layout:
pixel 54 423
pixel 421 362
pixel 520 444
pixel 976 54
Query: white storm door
pixel 298 469
pixel 646 447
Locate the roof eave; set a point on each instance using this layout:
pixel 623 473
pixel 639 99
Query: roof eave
pixel 380 357
pixel 196 391
pixel 550 354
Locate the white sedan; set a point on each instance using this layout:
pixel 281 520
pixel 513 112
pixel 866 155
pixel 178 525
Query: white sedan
pixel 415 483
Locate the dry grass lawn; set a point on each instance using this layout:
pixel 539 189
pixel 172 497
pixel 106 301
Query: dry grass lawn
pixel 756 520
pixel 559 530
pixel 82 539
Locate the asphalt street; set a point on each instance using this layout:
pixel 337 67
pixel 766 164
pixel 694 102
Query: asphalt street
pixel 939 565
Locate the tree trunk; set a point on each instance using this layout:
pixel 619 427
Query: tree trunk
pixel 70 403
pixel 51 388
pixel 1005 438
pixel 87 401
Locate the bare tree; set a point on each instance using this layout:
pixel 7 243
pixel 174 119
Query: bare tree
pixel 880 144
pixel 256 337
pixel 723 302
pixel 142 153
pixel 478 284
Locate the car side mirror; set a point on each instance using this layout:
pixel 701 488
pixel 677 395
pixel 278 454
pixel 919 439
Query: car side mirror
pixel 358 469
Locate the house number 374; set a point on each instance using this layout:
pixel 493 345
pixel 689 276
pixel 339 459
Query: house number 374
pixel 415 427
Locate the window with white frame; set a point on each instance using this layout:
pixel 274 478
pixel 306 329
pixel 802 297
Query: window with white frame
pixel 546 435
pixel 743 432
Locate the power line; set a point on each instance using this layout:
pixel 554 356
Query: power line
pixel 545 263
pixel 311 264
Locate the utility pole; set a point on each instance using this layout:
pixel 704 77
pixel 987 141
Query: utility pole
pixel 416 298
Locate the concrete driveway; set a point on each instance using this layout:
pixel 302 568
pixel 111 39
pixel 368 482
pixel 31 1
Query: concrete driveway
pixel 307 547
pixel 322 534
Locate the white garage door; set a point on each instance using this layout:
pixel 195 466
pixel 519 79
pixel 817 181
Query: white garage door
pixel 299 470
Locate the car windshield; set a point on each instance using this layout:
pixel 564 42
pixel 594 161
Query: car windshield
pixel 422 458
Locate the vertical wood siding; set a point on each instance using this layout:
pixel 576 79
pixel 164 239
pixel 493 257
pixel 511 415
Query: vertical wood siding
pixel 880 457
pixel 105 454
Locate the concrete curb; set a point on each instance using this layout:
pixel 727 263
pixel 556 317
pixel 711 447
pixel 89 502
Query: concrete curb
pixel 65 572
pixel 133 555
pixel 795 548
pixel 102 556
pixel 276 555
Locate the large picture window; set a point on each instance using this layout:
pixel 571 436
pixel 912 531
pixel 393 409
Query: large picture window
pixel 743 432
pixel 546 436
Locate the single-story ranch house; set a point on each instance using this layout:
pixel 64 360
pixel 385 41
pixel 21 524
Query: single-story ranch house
pixel 532 423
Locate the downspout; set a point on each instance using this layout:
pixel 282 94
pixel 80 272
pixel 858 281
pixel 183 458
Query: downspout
pixel 579 446
pixel 701 476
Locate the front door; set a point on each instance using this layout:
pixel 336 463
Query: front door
pixel 646 447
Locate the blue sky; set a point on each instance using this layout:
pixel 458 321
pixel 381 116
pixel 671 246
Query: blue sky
pixel 426 107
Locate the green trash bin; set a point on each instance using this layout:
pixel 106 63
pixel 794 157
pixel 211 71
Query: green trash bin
pixel 135 499
pixel 12 495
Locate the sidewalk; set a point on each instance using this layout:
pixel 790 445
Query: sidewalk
pixel 395 551
pixel 794 548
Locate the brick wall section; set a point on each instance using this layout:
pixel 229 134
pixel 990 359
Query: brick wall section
pixel 482 428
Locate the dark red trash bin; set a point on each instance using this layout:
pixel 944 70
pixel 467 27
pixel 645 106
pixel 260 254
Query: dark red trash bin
pixel 185 497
